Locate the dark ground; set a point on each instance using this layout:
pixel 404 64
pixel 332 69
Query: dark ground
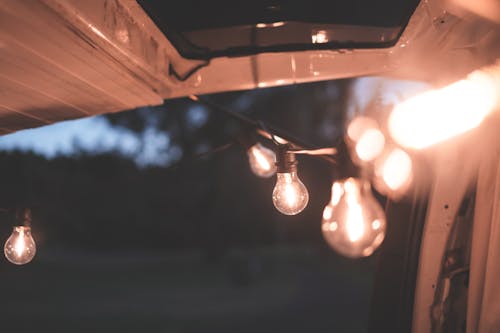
pixel 269 290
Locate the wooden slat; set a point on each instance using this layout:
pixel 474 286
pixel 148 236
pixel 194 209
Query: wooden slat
pixel 11 121
pixel 30 70
pixel 123 31
pixel 30 102
pixel 51 70
pixel 49 36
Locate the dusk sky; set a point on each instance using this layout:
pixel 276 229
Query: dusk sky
pixel 95 134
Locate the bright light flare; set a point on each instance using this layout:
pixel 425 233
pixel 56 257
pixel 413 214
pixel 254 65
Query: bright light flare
pixel 290 195
pixel 20 244
pixel 395 171
pixel 270 25
pixel 354 221
pixel 437 115
pixel 368 140
pixel 358 126
pixel 489 9
pixel 354 214
pixel 319 37
pixel 370 145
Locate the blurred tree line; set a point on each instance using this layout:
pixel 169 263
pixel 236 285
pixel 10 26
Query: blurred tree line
pixel 211 202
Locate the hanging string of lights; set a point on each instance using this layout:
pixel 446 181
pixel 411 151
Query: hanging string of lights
pixel 353 221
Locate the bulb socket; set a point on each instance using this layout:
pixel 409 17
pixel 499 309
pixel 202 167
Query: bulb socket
pixel 285 160
pixel 23 216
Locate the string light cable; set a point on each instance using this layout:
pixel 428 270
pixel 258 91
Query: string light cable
pixel 354 223
pixel 276 135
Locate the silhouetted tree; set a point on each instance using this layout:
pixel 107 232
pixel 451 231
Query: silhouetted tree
pixel 106 201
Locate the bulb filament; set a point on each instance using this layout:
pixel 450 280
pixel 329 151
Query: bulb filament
pixel 355 226
pixel 290 195
pixel 20 244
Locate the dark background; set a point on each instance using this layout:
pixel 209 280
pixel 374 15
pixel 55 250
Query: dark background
pixel 192 246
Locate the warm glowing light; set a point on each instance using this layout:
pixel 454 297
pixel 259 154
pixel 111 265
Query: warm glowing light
pixel 20 248
pixel 360 125
pixel 395 172
pixel 327 213
pixel 489 9
pixel 320 37
pixel 438 115
pixel 353 221
pixel 19 245
pixel 333 226
pixel 337 192
pixel 366 138
pixel 290 196
pixel 354 224
pixel 262 160
pixel 270 25
pixel 370 145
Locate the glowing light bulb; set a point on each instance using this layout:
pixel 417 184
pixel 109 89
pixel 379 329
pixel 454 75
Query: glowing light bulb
pixel 370 145
pixel 368 141
pixel 358 126
pixel 20 248
pixel 437 115
pixel 353 221
pixel 262 160
pixel 290 196
pixel 393 172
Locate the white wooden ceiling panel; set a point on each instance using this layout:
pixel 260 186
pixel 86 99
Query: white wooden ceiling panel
pixel 55 66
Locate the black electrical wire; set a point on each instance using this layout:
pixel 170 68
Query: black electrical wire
pixel 273 133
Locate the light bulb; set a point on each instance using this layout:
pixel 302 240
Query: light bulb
pixel 358 126
pixel 366 138
pixel 393 172
pixel 370 145
pixel 290 196
pixel 438 115
pixel 353 222
pixel 262 160
pixel 20 248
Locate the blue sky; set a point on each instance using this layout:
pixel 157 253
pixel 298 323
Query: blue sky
pixel 95 134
